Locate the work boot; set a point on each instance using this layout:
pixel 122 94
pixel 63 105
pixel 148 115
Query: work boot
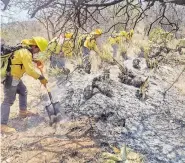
pixel 26 113
pixel 7 130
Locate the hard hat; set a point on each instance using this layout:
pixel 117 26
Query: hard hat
pixel 97 32
pixel 41 42
pixel 68 35
pixel 28 42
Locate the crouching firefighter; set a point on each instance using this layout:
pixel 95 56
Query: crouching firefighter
pixel 87 44
pixel 20 61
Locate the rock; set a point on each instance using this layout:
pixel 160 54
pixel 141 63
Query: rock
pixel 136 63
pixel 125 79
pixel 137 82
pixel 102 84
pixel 131 74
pixel 104 88
pixel 141 53
pixel 88 92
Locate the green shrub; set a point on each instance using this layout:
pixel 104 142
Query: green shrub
pixel 160 36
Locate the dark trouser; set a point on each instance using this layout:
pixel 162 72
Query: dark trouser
pixel 85 55
pixel 15 87
pixel 56 61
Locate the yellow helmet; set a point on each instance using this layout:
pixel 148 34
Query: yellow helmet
pixel 97 32
pixel 41 42
pixel 68 35
pixel 28 42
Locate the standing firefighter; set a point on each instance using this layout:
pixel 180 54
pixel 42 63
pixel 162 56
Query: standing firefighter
pixel 89 43
pixel 20 63
pixel 124 42
pixel 114 41
pixel 59 48
pixel 118 41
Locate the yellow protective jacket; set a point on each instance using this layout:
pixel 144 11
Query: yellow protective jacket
pixel 81 39
pixel 23 59
pixel 114 40
pixel 67 47
pixel 90 43
pixel 54 47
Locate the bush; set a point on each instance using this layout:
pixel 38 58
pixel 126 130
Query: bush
pixel 159 36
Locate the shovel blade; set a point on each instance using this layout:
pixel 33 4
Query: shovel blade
pixel 49 110
pixel 56 107
pixel 53 111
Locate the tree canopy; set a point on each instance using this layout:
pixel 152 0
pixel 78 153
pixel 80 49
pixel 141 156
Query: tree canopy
pixel 84 14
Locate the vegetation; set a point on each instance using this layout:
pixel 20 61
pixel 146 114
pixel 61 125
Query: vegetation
pixel 160 36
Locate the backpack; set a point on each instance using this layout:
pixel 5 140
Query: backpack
pixel 7 53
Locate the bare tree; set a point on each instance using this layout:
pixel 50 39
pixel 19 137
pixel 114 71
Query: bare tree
pixel 50 21
pixel 56 15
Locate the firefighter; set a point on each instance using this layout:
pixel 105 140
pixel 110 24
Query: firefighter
pixel 88 43
pixel 21 62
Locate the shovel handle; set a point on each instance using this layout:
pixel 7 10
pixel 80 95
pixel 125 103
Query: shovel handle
pixel 49 92
pixel 41 71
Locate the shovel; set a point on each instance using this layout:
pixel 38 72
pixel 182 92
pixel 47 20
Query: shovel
pixel 53 109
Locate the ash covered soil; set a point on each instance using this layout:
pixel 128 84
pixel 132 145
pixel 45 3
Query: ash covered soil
pixel 98 111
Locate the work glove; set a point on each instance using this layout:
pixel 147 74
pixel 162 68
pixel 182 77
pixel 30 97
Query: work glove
pixel 43 80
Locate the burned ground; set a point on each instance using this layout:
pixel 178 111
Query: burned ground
pixel 99 111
